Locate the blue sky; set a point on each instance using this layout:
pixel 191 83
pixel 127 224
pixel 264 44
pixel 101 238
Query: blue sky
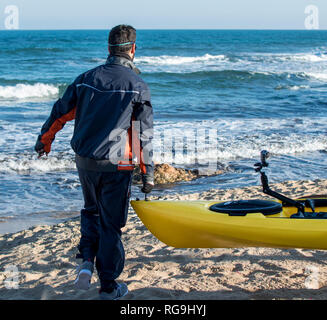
pixel 165 14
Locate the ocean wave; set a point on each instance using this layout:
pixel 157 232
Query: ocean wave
pixel 27 91
pixel 239 73
pixel 322 76
pixel 23 164
pixel 292 88
pixel 177 60
pixel 230 139
pixel 232 58
pixel 307 57
pixel 285 57
pixel 222 149
pixel 196 143
pixel 310 64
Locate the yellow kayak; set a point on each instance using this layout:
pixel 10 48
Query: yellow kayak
pixel 204 224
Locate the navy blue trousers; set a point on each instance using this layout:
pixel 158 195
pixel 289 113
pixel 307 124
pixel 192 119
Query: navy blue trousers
pixel 106 197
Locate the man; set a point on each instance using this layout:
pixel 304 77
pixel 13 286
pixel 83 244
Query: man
pixel 113 116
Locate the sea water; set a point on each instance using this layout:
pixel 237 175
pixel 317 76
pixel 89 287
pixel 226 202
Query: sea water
pixel 242 90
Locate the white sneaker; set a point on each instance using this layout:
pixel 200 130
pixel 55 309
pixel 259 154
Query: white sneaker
pixel 85 271
pixel 118 293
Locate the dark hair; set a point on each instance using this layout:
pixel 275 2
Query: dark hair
pixel 121 34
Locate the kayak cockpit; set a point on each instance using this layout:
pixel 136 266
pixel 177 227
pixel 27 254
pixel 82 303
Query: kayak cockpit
pixel 244 207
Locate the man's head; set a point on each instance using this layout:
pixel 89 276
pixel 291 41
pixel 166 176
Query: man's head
pixel 122 40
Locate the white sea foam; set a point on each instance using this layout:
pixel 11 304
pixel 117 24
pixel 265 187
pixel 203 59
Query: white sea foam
pixel 185 143
pixel 230 139
pixel 306 64
pixel 308 57
pixel 29 163
pixel 322 76
pixel 26 91
pixel 285 57
pixel 178 60
pixel 311 64
pixel 293 88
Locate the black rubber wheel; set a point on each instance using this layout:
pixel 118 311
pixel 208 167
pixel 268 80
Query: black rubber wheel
pixel 244 207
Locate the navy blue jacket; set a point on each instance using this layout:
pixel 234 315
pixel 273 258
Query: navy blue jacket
pixel 113 116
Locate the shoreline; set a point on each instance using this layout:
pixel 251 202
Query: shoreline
pixel 45 259
pixel 166 176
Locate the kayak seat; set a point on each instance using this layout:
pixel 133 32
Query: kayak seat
pixel 244 207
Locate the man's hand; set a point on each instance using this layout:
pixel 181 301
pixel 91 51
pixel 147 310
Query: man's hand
pixel 39 148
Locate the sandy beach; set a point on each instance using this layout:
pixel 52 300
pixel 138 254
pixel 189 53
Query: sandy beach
pixel 45 260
